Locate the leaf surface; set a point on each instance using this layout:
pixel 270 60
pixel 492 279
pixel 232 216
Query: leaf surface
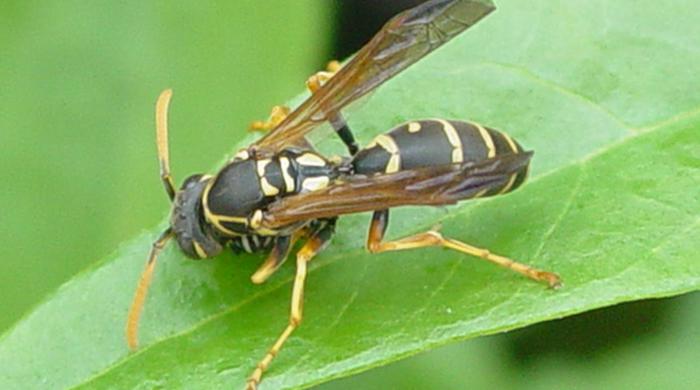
pixel 604 95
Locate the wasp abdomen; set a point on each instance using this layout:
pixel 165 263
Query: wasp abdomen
pixel 434 142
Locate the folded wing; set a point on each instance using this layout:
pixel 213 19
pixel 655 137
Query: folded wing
pixel 440 185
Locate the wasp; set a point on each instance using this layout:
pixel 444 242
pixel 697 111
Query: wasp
pixel 280 190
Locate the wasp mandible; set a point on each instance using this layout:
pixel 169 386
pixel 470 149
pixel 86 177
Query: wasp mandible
pixel 280 190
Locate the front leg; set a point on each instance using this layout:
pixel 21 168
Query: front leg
pixel 278 255
pixel 316 243
pixel 275 259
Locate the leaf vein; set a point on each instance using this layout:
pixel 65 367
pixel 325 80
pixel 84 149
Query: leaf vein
pixel 575 190
pixel 433 294
pixel 561 89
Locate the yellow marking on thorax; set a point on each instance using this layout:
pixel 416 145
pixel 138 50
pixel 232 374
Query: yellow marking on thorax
pixel 242 155
pixel 314 183
pixel 221 228
pixel 267 188
pixel 256 219
pixel 288 181
pixel 388 144
pixel 511 143
pixel 229 218
pixel 487 140
pixel 216 219
pixel 453 138
pixel 311 160
pixel 261 164
pixel 414 127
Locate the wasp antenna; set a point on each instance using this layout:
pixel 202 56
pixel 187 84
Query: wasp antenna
pixel 162 141
pixel 132 322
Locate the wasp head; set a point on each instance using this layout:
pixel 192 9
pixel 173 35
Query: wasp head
pixel 187 220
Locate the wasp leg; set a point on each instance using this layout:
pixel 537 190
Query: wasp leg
pixel 380 220
pixel 277 115
pixel 316 243
pixel 336 119
pixel 314 82
pixel 278 255
pixel 341 128
pixel 132 322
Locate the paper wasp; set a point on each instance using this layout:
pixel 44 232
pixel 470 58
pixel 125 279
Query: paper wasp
pixel 280 190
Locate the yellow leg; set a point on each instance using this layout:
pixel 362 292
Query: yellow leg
pixel 316 81
pixel 434 238
pixel 132 322
pixel 305 254
pixel 277 115
pixel 333 66
pixel 278 255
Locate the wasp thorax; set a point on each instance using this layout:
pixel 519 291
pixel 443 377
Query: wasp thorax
pixel 187 221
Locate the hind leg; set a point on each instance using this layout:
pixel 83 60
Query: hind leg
pixel 380 221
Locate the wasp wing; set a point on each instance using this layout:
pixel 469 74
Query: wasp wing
pixel 439 185
pixel 402 41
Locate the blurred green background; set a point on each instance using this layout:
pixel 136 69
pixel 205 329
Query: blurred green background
pixel 78 81
pixel 78 87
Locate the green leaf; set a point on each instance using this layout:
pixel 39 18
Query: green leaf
pixel 605 94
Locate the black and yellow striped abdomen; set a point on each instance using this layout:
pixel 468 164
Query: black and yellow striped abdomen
pixel 434 142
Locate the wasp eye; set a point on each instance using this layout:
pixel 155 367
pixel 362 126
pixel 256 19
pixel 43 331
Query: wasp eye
pixel 187 221
pixel 190 181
